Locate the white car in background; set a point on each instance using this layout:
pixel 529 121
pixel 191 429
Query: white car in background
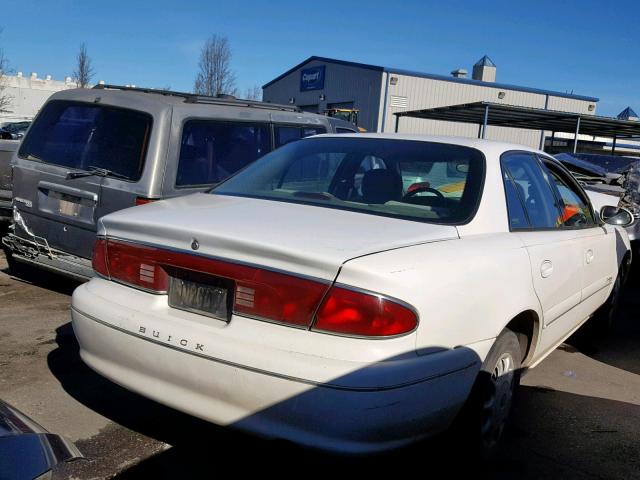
pixel 292 303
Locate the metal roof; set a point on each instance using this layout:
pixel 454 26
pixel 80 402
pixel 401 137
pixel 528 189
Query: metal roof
pixel 484 62
pixel 503 115
pixel 443 78
pixel 627 113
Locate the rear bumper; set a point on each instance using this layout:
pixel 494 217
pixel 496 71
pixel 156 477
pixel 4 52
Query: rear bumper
pixel 369 407
pixel 40 256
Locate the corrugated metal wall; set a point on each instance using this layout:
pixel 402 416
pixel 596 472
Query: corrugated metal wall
pixel 412 93
pixel 366 89
pixel 342 83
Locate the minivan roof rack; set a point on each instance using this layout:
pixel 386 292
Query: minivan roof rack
pixel 223 99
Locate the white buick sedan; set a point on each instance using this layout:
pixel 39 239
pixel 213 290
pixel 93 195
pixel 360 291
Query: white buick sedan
pixel 353 292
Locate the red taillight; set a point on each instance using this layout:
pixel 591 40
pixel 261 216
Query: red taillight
pixel 137 265
pixel 144 200
pixel 258 292
pixel 351 312
pixel 99 257
pixel 275 296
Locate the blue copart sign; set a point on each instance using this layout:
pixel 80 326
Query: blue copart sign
pixel 312 79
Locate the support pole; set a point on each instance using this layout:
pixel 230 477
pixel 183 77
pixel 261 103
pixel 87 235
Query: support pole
pixel 542 132
pixel 575 140
pixel 479 130
pixel 613 148
pixel 397 122
pixel 486 121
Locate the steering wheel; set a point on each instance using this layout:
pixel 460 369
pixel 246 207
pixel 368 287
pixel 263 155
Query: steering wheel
pixel 437 193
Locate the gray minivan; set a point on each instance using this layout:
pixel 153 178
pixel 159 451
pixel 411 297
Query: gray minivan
pixel 90 152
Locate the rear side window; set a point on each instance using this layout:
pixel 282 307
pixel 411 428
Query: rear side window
pixel 531 187
pixel 79 135
pixel 287 134
pixel 211 151
pixel 515 207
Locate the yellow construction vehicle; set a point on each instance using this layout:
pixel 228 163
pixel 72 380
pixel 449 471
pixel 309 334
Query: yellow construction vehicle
pixel 348 114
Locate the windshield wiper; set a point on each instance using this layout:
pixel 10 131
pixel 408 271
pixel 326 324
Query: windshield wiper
pixel 97 171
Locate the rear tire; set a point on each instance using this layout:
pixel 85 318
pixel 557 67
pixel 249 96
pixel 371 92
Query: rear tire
pixel 485 415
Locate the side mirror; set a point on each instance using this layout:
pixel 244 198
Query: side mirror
pixel 616 216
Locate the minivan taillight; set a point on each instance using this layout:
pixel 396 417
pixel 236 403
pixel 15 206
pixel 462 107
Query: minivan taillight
pixel 99 257
pixel 352 312
pixel 144 200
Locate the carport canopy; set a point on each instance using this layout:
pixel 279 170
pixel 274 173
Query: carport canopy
pixel 502 115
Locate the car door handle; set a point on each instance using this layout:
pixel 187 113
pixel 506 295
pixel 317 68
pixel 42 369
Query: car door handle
pixel 589 256
pixel 546 269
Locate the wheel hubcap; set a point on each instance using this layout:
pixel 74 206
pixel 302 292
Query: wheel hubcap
pixel 498 399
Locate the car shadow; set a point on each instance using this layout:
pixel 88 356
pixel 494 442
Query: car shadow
pixel 541 443
pixel 618 348
pixel 42 278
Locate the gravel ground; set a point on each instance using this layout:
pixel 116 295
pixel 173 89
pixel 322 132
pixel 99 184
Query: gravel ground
pixel 577 416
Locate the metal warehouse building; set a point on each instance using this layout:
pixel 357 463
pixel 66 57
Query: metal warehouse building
pixel 378 92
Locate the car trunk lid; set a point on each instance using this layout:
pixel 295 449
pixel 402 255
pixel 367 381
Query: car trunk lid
pixel 302 239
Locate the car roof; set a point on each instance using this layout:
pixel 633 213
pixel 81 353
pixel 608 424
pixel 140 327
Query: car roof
pixel 478 143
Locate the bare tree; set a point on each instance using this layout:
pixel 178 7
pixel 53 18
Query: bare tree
pixel 84 70
pixel 215 75
pixel 5 98
pixel 254 93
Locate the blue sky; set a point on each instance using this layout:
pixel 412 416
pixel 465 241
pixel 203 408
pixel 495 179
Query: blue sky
pixel 588 47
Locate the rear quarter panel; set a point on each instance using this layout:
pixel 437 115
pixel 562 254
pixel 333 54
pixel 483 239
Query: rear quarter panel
pixel 465 291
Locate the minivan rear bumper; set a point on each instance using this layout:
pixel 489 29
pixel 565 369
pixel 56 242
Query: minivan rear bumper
pixel 47 258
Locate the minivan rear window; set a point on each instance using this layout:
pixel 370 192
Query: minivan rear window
pixel 84 136
pixel 286 134
pixel 210 151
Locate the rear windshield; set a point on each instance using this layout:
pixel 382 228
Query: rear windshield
pixel 82 136
pixel 210 151
pixel 432 182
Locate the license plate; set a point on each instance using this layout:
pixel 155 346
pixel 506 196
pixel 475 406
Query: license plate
pixel 201 294
pixel 70 209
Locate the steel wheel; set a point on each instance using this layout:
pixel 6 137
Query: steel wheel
pixel 498 399
pixel 485 415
